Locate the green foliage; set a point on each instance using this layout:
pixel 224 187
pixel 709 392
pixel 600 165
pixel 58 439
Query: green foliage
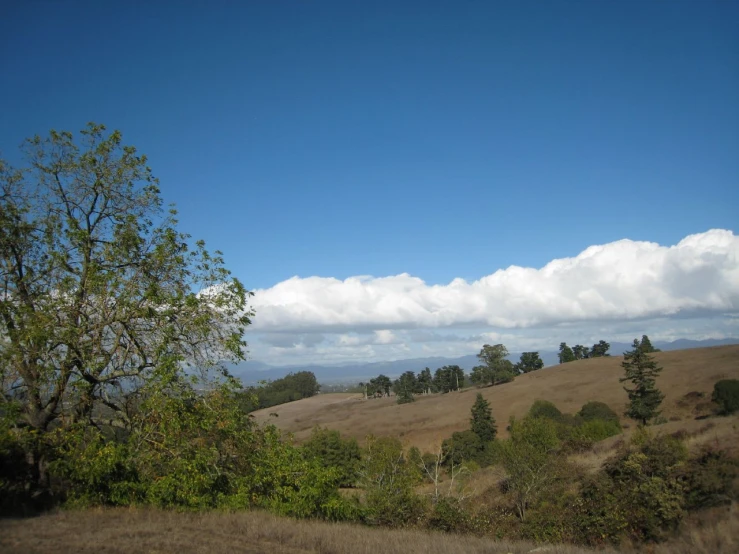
pixel 710 479
pixel 644 397
pixel 448 378
pixel 530 361
pixel 331 450
pixel 598 410
pixel 545 409
pixel 726 395
pixel 388 480
pixel 466 446
pixel 424 381
pixel 565 354
pixel 646 345
pixel 638 494
pixel 495 368
pixel 581 352
pixel 294 386
pixel 531 460
pixel 104 300
pixel 482 422
pixel 404 387
pixel 379 386
pixel 600 349
pixel 448 515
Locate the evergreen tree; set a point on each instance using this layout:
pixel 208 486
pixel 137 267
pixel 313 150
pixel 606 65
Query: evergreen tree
pixel 644 397
pixel 646 345
pixel 565 354
pixel 482 422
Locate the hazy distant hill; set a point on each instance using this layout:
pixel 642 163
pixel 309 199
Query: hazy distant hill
pixel 253 371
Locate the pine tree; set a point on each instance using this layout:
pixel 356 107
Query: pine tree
pixel 644 397
pixel 482 422
pixel 646 345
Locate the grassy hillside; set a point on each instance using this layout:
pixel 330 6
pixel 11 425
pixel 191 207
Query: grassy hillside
pixel 430 419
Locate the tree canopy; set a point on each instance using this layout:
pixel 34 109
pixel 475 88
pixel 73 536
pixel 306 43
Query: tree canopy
pixel 102 297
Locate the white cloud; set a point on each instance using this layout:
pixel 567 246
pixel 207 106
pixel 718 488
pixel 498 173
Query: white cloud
pixel 623 280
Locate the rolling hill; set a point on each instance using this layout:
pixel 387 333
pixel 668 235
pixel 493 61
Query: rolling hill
pixel 253 371
pixel 432 418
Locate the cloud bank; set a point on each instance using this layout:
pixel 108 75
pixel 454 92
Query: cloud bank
pixel 618 281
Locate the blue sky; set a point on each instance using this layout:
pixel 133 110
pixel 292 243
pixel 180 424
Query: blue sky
pixel 440 139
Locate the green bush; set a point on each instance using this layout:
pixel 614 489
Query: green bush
pixel 709 479
pixel 448 515
pixel 329 448
pixel 638 494
pixel 598 410
pixel 726 395
pixel 598 430
pixel 545 409
pixel 464 446
pixel 388 479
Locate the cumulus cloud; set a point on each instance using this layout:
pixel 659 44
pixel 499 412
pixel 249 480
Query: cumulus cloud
pixel 622 280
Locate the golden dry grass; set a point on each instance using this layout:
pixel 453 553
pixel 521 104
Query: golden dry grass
pixel 430 419
pixel 151 531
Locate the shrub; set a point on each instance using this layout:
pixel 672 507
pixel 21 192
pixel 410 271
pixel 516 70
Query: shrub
pixel 710 479
pixel 388 479
pixel 637 494
pixel 448 515
pixel 464 446
pixel 726 395
pixel 598 410
pixel 333 451
pixel 545 409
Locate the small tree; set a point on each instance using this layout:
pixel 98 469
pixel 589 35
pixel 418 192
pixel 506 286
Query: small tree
pixel 482 422
pixel 530 460
pixel 644 397
pixel 565 353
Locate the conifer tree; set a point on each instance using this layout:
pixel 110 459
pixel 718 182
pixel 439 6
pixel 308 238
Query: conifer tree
pixel 482 422
pixel 644 397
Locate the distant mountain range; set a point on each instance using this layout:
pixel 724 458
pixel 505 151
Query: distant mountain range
pixel 252 372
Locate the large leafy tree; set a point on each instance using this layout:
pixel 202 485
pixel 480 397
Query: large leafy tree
pixel 581 352
pixel 600 349
pixel 644 397
pixel 530 361
pixel 103 302
pixel 404 387
pixel 424 381
pixel 448 378
pixel 495 368
pixel 566 354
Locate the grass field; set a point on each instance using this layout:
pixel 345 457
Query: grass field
pixel 432 418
